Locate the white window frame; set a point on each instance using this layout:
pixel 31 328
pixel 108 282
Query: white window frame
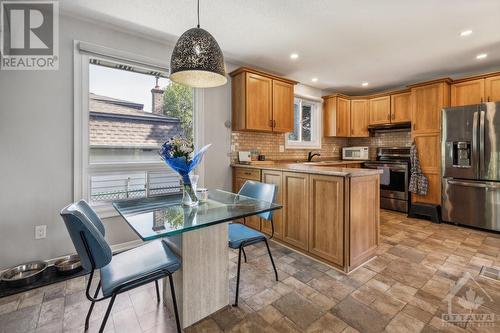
pixel 316 128
pixel 83 52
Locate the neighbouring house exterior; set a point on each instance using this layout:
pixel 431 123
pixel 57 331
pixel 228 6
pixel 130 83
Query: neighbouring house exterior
pixel 121 131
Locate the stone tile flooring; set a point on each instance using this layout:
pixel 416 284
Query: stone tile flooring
pixel 402 290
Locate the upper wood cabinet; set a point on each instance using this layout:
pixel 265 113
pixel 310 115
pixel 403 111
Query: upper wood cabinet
pixel 475 91
pixel 427 103
pixel 380 110
pixel 261 101
pixel 336 116
pixel 492 88
pixel 467 93
pixel 359 118
pixel 282 104
pixel 401 107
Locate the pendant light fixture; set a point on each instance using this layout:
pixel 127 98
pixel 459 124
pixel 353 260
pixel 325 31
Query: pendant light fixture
pixel 197 60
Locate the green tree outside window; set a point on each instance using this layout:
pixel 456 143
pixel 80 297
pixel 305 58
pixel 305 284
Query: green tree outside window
pixel 178 102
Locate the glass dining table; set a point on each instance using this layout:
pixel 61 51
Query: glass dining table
pixel 199 236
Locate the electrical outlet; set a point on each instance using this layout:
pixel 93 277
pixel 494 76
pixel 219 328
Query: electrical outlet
pixel 40 231
pixel 282 149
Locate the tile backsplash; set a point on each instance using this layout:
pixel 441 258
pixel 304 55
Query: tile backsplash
pixel 268 144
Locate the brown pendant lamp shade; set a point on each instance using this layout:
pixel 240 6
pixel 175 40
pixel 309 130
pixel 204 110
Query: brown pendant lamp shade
pixel 197 60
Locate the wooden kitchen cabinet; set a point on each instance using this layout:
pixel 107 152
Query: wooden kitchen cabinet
pixel 401 107
pixel 492 88
pixel 240 176
pixel 282 107
pixel 296 209
pixel 359 117
pixel 380 110
pixel 326 218
pixel 427 102
pixel 261 101
pixel 274 177
pixel 336 116
pixel 467 93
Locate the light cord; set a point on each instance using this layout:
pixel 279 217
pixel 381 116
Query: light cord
pixel 198 13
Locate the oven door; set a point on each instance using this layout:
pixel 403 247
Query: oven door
pixel 397 188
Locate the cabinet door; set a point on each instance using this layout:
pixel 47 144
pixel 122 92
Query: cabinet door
pixel 400 108
pixel 274 177
pixel 258 102
pixel 326 222
pixel 296 209
pixel 492 88
pixel 380 110
pixel 426 105
pixel 252 221
pixel 359 118
pixel 329 116
pixel 343 117
pixel 282 107
pixel 467 93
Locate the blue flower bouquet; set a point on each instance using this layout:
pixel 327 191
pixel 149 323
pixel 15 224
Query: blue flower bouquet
pixel 179 154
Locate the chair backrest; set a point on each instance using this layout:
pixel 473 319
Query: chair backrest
pixel 81 220
pixel 260 191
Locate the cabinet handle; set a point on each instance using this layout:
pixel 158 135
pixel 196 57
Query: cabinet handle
pixel 413 126
pixel 274 123
pixel 270 123
pixel 488 98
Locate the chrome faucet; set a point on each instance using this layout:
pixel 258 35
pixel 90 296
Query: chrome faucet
pixel 310 156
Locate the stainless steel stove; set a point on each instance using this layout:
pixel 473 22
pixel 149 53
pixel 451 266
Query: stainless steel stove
pixel 395 163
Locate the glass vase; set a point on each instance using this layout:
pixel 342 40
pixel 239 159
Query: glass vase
pixel 189 197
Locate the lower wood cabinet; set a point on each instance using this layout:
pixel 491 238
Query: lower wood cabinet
pixel 241 175
pixel 326 218
pixel 295 209
pixel 274 177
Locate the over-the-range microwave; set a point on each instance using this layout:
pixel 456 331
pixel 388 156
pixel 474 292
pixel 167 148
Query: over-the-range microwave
pixel 355 153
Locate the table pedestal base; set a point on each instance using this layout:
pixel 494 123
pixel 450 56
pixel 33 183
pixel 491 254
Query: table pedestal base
pixel 202 282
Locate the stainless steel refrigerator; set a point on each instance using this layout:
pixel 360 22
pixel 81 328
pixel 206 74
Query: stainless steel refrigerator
pixel 471 165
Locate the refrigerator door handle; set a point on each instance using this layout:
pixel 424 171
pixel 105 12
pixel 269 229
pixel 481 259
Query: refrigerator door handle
pixel 475 145
pixel 481 143
pixel 454 182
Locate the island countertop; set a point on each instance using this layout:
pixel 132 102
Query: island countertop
pixel 331 168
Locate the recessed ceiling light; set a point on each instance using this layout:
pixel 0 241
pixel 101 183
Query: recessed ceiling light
pixel 466 33
pixel 294 56
pixel 364 84
pixel 481 56
pixel 314 79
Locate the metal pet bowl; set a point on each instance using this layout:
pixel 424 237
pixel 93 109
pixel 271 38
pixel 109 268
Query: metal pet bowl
pixel 24 274
pixel 68 265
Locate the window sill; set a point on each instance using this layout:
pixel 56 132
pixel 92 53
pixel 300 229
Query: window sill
pixel 315 145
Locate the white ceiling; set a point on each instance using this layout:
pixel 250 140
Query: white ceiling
pixel 387 43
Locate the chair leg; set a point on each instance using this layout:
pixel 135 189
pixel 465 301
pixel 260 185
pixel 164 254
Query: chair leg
pixel 244 254
pixel 238 277
pixel 174 300
pixel 108 311
pixel 157 291
pixel 272 261
pixel 92 306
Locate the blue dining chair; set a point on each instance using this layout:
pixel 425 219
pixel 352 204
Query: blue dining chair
pixel 240 235
pixel 122 272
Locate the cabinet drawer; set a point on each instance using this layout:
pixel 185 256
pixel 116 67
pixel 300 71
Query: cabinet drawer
pixel 247 173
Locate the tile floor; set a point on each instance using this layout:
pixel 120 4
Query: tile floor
pixel 403 290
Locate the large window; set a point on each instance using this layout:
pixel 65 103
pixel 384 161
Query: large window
pixel 130 111
pixel 306 132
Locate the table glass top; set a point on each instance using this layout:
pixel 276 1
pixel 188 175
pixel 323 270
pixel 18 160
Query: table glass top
pixel 163 216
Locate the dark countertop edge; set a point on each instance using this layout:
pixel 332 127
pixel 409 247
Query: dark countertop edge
pixel 341 172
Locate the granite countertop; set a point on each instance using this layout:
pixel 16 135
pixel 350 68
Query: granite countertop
pixel 314 169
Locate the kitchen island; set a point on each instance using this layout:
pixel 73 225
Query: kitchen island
pixel 330 212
